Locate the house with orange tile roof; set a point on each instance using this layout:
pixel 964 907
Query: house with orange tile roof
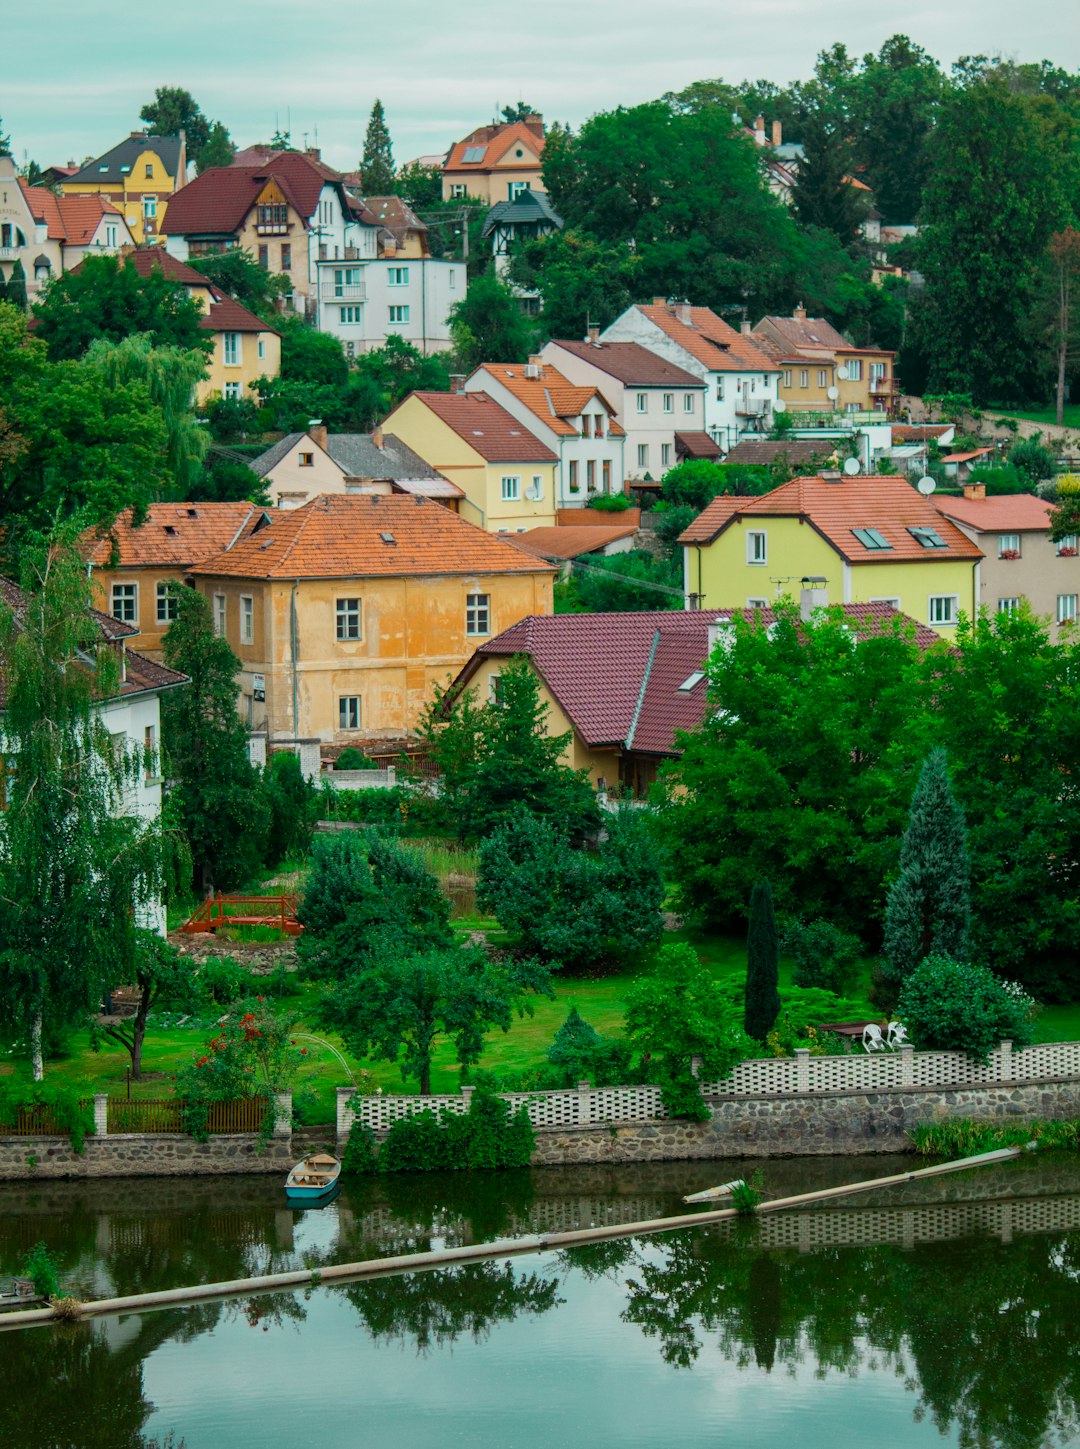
pixel 497 162
pixel 855 539
pixel 821 371
pixel 139 176
pixel 345 612
pixel 1023 564
pixel 131 567
pixel 507 474
pixel 50 235
pixel 576 422
pixel 741 381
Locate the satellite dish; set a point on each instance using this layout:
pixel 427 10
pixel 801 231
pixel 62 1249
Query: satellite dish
pixel 926 486
pixel 833 393
pixel 842 372
pixel 779 406
pixel 851 467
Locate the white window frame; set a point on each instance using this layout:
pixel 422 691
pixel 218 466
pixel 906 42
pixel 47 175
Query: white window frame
pixel 936 615
pixel 1008 543
pixel 149 207
pixel 232 351
pixel 350 316
pixel 221 615
pixel 126 596
pixel 510 487
pixel 688 402
pixel 1008 606
pixel 669 402
pixel 757 547
pixel 785 377
pixel 402 311
pixel 877 372
pixel 168 605
pixel 349 619
pixel 1067 541
pixel 477 615
pixel 643 455
pixel 247 619
pixel 854 370
pixel 804 377
pixel 823 377
pixel 665 455
pixel 457 190
pixel 1066 608
pixel 234 391
pixel 397 276
pixel 642 403
pixel 757 603
pixel 719 389
pixel 349 715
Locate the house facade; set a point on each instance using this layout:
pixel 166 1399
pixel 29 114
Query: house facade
pixel 820 371
pixel 508 476
pixel 345 612
pixel 496 163
pixel 139 176
pixel 858 540
pixel 1022 563
pixel 301 466
pixel 741 383
pixel 576 423
pixel 656 403
pixel 371 296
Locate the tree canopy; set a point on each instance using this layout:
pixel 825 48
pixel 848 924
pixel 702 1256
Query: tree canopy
pixel 173 110
pixel 106 299
pixel 377 162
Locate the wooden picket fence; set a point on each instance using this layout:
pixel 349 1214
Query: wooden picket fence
pixel 38 1121
pixel 164 1114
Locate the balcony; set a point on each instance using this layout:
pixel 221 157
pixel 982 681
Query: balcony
pixel 751 407
pixel 272 228
pixel 883 386
pixel 332 291
pixel 9 254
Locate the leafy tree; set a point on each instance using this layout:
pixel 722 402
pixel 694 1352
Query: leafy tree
pixel 383 377
pixel 1064 260
pixel 162 974
pixel 310 357
pixel 573 909
pixel 233 419
pixel 107 300
pixel 173 110
pixel 218 151
pixel 73 864
pixel 227 480
pixel 999 479
pixel 628 582
pixel 951 1005
pixel 216 792
pixel 16 285
pixel 929 907
pixel 294 806
pixel 694 483
pixel 1033 459
pixel 673 1014
pixel 895 105
pixel 762 964
pixel 236 273
pixel 377 162
pixel 825 957
pixel 420 186
pixel 519 112
pixel 5 142
pixel 581 281
pixel 823 194
pixel 670 521
pixel 579 1053
pixel 497 758
pixel 488 325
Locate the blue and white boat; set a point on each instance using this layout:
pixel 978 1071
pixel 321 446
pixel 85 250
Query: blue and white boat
pixel 313 1180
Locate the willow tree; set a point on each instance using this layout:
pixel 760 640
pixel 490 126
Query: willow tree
pixel 75 869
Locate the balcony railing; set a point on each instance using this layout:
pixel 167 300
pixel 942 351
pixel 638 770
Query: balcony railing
pixel 9 254
pixel 343 292
pixel 884 386
pixel 751 407
pixel 272 228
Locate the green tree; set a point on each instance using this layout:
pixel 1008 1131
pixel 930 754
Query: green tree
pixel 582 282
pixel 824 195
pixel 897 96
pixel 385 376
pixel 695 482
pixel 1033 459
pixel 488 325
pixel 762 964
pixel 294 806
pixel 377 163
pixel 950 1005
pixel 218 151
pixel 16 285
pixel 579 1053
pixel 420 186
pixel 310 357
pixel 521 111
pixel 162 975
pixel 631 582
pixel 216 793
pixel 236 273
pixel 107 300
pixel 227 480
pixel 497 758
pixel 173 110
pixel 73 864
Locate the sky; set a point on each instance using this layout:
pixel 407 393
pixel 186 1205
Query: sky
pixel 77 75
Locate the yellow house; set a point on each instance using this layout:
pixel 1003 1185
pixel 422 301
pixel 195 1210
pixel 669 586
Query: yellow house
pixel 815 361
pixel 496 163
pixel 507 475
pixel 345 612
pixel 138 176
pixel 853 540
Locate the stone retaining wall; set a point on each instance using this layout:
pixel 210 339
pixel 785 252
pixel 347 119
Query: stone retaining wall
pixel 165 1154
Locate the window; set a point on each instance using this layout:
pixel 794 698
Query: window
pixel 220 615
pixel 665 455
pixel 457 190
pixel 349 619
pixel 785 377
pixel 605 469
pixel 871 538
pixel 478 613
pixel 149 207
pixel 1066 608
pixel 272 216
pixel 535 490
pixel 892 603
pixel 643 402
pixel 247 619
pixel 928 537
pixel 757 603
pixel 125 603
pixel 669 402
pixel 264 257
pixel 348 712
pixel 399 314
pixel 453 279
pixel 307 460
pixel 586 425
pixel 598 425
pixel 398 276
pixel 1008 606
pixel 877 372
pixel 515 188
pixel 230 347
pixel 511 488
pixel 495 689
pixel 804 377
pixel 688 402
pixel 822 377
pixel 590 475
pixel 150 752
pixel 854 369
pixel 262 349
pixel 692 680
pixel 719 389
pixel 1066 547
pixel 110 234
pixel 1008 545
pixel 167 604
pixel 233 390
pixel 574 485
pixel 944 608
pixel 149 170
pixel 350 316
pixel 643 455
pixel 757 548
pixel 286 257
pixel 345 277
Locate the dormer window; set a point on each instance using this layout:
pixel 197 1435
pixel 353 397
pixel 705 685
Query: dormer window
pixel 928 537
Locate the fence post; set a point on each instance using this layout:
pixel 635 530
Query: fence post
pixel 583 1103
pixel 283 1114
pixel 344 1111
pixel 696 1065
pixel 1006 1062
pixel 101 1114
pixel 802 1069
pixel 467 1092
pixel 907 1064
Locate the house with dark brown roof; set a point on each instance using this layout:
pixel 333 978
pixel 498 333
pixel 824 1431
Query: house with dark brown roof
pixel 345 612
pixel 623 685
pixel 741 381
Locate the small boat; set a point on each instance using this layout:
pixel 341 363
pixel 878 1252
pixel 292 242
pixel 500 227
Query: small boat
pixel 313 1180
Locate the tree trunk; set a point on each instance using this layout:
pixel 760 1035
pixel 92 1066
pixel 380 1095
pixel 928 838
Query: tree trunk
pixel 35 1050
pixel 425 1078
pixel 1061 383
pixel 138 1033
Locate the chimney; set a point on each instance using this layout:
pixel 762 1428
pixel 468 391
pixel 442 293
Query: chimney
pixel 831 475
pixel 777 133
pixel 659 301
pixel 799 313
pixel 457 382
pixel 535 123
pixel 377 436
pixel 594 335
pixel 975 491
pixel 682 313
pixel 317 432
pixel 534 368
pixel 814 596
pixel 759 131
pixel 745 329
pixel 313 153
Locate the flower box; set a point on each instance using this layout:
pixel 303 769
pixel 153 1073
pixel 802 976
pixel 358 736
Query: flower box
pixel 1066 553
pixel 1009 553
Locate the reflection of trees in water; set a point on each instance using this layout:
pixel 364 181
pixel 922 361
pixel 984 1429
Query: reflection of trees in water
pixel 457 1207
pixel 63 1386
pixel 436 1308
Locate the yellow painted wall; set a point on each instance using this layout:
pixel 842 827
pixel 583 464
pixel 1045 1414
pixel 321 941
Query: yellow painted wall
pixel 295 237
pixel 150 631
pixel 251 367
pixel 129 196
pixel 413 637
pixel 814 397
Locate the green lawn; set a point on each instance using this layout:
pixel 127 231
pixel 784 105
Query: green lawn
pixel 1047 416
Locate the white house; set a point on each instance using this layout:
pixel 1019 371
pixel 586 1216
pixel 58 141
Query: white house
pixel 367 297
pixel 742 384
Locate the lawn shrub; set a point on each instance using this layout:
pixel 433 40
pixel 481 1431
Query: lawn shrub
pixel 351 759
pixel 580 1053
pixel 222 979
pixel 488 1136
pixel 958 1006
pixel 825 956
pixel 62 1100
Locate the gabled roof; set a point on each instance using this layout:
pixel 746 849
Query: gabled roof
pixel 365 535
pixel 795 450
pixel 527 208
pixel 549 396
pixel 69 219
pixel 802 333
pixel 394 215
pixel 358 456
pixel 174 535
pixel 114 167
pixel 920 432
pixel 967 456
pixel 488 429
pixel 697 445
pixel 632 364
pixel 1007 513
pixel 620 678
pixel 218 201
pixel 156 259
pixel 708 338
pixel 566 540
pixel 887 504
pixel 487 145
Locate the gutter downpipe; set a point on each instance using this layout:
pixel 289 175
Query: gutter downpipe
pixel 292 649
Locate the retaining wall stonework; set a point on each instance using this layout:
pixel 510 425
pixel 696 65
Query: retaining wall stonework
pixel 163 1154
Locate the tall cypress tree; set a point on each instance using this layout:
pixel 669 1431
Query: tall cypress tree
pixel 929 908
pixel 377 162
pixel 762 964
pixel 16 287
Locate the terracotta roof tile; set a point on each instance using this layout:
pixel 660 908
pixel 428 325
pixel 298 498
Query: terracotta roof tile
pixel 1010 513
pixel 697 445
pixel 887 503
pixel 224 315
pixel 174 535
pixel 365 535
pixel 566 541
pixel 708 338
pixel 495 142
pixel 967 456
pixel 629 362
pixel 218 200
pixel 550 396
pixel 488 428
pixel 920 432
pixel 71 219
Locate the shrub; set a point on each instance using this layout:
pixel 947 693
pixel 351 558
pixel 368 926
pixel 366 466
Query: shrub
pixel 487 1136
pixel 1032 458
pixel 294 806
pixel 41 1267
pixel 611 503
pixel 958 1006
pixel 71 1114
pixel 825 955
pixel 696 482
pixel 579 1053
pixel 251 1057
pixel 354 760
pixel 223 980
pixel 359 1158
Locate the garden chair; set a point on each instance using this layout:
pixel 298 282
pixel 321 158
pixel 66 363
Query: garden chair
pixel 897 1035
pixel 872 1039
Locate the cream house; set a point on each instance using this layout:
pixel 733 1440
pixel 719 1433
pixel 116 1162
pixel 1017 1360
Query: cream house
pixel 301 466
pixel 497 162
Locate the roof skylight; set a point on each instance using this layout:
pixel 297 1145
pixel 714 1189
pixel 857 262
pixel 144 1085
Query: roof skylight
pixel 694 679
pixel 928 537
pixel 474 153
pixel 870 538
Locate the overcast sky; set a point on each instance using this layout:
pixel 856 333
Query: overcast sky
pixel 76 73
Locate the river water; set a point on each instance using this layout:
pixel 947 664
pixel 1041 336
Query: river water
pixel 940 1312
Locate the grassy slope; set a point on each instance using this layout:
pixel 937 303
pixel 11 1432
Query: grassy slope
pixel 1048 416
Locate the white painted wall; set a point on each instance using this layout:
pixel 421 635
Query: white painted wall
pixel 428 287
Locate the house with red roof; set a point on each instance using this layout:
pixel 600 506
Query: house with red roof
pixel 855 539
pixel 742 383
pixel 821 371
pixel 497 162
pixel 622 685
pixel 507 473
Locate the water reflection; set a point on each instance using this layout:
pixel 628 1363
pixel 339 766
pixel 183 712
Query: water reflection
pixel 970 1300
